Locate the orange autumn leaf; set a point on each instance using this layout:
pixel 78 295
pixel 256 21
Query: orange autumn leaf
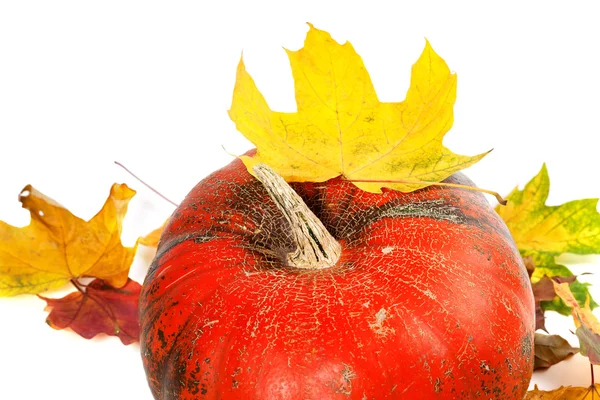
pixel 98 308
pixel 151 239
pixel 564 393
pixel 57 246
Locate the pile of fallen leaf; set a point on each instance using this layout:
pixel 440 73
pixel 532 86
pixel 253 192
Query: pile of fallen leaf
pixel 542 233
pixel 58 249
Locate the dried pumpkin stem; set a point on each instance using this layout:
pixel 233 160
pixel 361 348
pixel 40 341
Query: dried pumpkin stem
pixel 315 247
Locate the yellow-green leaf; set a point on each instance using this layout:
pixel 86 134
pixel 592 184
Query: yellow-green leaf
pixel 545 265
pixel 57 246
pixel 572 227
pixel 341 128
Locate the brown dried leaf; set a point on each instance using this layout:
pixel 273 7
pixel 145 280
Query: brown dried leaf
pixel 550 350
pixel 543 290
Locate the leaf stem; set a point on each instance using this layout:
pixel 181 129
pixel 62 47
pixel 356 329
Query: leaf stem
pixel 592 387
pixel 79 286
pixel 147 185
pixel 499 198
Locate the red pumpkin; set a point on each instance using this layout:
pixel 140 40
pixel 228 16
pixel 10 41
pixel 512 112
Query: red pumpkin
pixel 429 299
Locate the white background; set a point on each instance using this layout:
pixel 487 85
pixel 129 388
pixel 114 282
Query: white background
pixel 148 83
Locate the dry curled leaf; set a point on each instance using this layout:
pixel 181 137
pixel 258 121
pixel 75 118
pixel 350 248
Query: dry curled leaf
pixel 341 127
pixel 543 291
pixel 564 393
pixel 550 350
pixel 57 246
pixel 98 308
pixel 588 327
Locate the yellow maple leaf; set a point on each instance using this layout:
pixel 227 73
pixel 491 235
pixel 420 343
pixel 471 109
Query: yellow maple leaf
pixel 57 246
pixel 341 128
pixel 563 393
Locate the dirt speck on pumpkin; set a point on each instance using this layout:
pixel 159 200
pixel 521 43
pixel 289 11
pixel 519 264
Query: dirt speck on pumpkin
pixel 437 387
pixel 348 374
pixel 345 385
pixel 485 368
pixel 387 249
pixel 210 323
pixel 526 346
pixel 378 324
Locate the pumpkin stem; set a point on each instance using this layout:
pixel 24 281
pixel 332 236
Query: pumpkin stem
pixel 315 247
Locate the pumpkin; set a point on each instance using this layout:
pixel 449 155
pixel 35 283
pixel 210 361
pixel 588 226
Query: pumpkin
pixel 257 292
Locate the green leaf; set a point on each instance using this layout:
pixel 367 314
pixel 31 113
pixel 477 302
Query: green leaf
pixel 545 265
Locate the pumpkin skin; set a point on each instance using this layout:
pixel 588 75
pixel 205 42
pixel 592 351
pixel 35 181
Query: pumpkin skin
pixel 429 300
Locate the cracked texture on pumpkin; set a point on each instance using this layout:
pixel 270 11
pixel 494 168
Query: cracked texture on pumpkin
pixel 223 314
